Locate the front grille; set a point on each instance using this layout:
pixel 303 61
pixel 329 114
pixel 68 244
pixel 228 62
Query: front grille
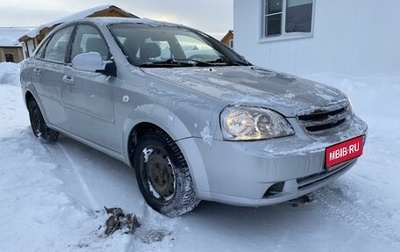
pixel 323 119
pixel 310 181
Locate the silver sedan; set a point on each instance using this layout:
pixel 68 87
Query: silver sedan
pixel 195 120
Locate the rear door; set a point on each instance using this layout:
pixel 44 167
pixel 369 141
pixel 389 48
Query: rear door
pixel 48 70
pixel 88 97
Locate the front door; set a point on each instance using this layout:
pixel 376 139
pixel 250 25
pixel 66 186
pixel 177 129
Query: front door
pixel 88 97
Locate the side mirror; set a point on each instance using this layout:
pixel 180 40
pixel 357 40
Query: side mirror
pixel 92 62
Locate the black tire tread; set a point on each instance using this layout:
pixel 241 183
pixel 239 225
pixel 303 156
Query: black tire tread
pixel 185 199
pixel 46 134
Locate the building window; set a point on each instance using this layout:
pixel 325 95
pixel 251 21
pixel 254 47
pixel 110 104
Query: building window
pixel 231 43
pixel 9 57
pixel 287 17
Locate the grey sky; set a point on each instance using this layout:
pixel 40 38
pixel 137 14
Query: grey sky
pixel 211 16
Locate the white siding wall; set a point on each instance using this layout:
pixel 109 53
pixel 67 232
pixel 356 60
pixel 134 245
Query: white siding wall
pixel 350 36
pixel 31 46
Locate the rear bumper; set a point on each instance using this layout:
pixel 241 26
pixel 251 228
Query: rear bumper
pixel 266 172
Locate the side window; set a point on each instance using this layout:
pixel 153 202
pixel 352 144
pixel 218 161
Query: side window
pixel 55 49
pixel 88 39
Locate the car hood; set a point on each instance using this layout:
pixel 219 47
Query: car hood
pixel 253 86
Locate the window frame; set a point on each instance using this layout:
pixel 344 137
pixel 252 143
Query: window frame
pixel 231 43
pixel 9 57
pixel 43 47
pixel 229 54
pixel 74 35
pixel 284 35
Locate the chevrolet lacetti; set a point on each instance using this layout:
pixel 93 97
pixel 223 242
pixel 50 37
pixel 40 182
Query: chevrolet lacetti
pixel 195 120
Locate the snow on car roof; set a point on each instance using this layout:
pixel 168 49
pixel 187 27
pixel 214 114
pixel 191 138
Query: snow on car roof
pixel 81 16
pixel 76 16
pixel 146 21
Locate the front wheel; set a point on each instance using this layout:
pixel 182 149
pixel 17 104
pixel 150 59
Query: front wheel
pixel 39 127
pixel 163 175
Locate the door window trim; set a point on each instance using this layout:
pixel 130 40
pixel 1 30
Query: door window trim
pixel 40 54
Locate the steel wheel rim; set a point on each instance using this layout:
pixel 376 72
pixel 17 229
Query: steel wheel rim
pixel 36 121
pixel 158 174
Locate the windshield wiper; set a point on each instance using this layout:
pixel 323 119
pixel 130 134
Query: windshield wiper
pixel 176 63
pixel 241 63
pixel 229 62
pixel 198 62
pixel 165 63
pixel 192 63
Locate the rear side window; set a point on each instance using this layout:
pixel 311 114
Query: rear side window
pixel 55 49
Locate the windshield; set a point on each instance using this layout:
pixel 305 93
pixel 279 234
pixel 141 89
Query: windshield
pixel 171 46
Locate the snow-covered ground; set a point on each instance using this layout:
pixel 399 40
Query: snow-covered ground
pixel 52 195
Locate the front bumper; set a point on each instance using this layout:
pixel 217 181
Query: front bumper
pixel 265 172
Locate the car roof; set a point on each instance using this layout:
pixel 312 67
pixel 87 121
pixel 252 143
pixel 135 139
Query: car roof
pixel 119 20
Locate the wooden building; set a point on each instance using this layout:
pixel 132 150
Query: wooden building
pixel 10 47
pixel 32 39
pixel 227 40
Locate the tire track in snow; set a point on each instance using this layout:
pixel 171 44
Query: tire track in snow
pixel 156 233
pixel 52 149
pixel 332 202
pixel 93 203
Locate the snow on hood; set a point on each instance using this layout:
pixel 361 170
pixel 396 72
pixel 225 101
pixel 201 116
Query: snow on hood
pixel 254 86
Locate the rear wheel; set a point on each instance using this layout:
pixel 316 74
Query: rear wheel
pixel 39 127
pixel 163 175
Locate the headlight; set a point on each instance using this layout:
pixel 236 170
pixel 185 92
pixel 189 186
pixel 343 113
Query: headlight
pixel 351 108
pixel 253 123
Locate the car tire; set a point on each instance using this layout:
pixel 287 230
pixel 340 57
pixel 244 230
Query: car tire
pixel 39 127
pixel 163 175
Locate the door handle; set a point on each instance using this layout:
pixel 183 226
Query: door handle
pixel 36 71
pixel 68 80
